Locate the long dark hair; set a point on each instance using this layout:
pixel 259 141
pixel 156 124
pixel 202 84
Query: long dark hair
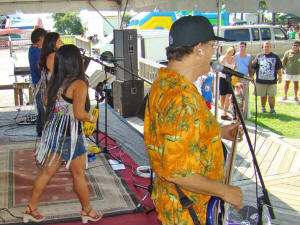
pixel 68 67
pixel 49 46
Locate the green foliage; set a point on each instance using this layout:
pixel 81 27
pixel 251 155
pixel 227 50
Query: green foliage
pixel 126 19
pixel 278 20
pixel 68 23
pixel 262 5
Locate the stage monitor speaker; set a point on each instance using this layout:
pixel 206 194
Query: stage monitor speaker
pixel 128 97
pixel 125 48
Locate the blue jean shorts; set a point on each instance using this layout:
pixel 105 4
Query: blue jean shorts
pixel 65 150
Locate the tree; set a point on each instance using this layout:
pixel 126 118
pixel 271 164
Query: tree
pixel 126 19
pixel 67 23
pixel 262 8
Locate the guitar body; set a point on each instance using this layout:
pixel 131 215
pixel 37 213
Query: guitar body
pixel 88 127
pixel 213 213
pixel 214 216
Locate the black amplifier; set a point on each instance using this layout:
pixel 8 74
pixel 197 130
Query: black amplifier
pixel 128 97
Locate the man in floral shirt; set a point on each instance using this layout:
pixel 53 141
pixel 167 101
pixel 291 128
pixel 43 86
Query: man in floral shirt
pixel 182 137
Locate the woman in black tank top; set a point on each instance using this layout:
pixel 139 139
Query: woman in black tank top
pixel 67 81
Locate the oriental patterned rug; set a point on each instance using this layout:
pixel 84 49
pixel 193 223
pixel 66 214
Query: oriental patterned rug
pixel 58 203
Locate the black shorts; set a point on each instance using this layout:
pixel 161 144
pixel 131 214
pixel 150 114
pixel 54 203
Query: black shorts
pixel 224 87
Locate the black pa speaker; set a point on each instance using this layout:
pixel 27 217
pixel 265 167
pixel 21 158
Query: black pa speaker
pixel 125 48
pixel 128 97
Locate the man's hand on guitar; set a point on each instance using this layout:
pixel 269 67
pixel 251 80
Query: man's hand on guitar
pixel 234 196
pixel 229 131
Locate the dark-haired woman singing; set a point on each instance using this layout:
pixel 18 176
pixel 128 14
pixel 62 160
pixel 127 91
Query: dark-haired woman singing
pixel 67 105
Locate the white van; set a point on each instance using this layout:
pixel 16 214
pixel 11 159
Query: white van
pixel 255 36
pixel 151 44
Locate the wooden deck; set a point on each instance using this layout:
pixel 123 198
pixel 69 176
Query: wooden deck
pixel 279 163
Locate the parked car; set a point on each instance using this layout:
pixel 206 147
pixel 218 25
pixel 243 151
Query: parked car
pixel 255 36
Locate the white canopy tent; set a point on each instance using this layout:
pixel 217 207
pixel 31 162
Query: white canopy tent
pixel 43 6
pixel 285 6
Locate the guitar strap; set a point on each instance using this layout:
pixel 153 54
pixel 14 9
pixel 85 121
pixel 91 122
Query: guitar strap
pixel 187 204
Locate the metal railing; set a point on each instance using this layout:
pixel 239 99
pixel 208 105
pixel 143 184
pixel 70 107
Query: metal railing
pixel 148 69
pixel 85 44
pixel 16 44
pixel 68 39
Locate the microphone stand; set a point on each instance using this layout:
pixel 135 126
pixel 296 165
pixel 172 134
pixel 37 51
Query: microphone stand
pixel 149 188
pixel 105 147
pixel 264 199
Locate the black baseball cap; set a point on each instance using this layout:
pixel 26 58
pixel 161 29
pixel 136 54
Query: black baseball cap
pixel 191 30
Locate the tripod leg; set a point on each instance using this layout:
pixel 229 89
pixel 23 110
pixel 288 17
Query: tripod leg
pixel 149 189
pixel 142 200
pixel 141 186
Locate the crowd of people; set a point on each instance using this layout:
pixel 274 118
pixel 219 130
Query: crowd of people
pixel 268 70
pixel 293 30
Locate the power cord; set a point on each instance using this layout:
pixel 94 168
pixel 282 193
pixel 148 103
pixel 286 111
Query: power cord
pixel 7 210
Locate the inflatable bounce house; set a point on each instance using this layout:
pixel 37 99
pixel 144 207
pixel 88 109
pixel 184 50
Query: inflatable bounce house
pixel 17 27
pixel 164 20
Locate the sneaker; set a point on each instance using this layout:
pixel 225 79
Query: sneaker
pixel 225 117
pixel 273 112
pixel 263 110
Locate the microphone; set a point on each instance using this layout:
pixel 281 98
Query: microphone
pixel 218 67
pixel 108 57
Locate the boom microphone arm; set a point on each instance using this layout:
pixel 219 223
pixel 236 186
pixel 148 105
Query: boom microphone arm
pixel 218 67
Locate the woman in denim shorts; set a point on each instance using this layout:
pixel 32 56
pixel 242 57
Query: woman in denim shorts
pixel 67 106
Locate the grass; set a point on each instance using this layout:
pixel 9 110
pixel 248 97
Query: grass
pixel 287 120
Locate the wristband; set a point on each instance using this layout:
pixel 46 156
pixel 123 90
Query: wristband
pixel 91 117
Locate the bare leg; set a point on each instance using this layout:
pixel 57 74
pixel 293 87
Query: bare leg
pixel 80 186
pixel 222 103
pixel 227 103
pixel 43 179
pixel 296 89
pixel 271 102
pixel 286 88
pixel 263 100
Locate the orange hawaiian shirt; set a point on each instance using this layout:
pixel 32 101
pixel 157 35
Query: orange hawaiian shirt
pixel 182 138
